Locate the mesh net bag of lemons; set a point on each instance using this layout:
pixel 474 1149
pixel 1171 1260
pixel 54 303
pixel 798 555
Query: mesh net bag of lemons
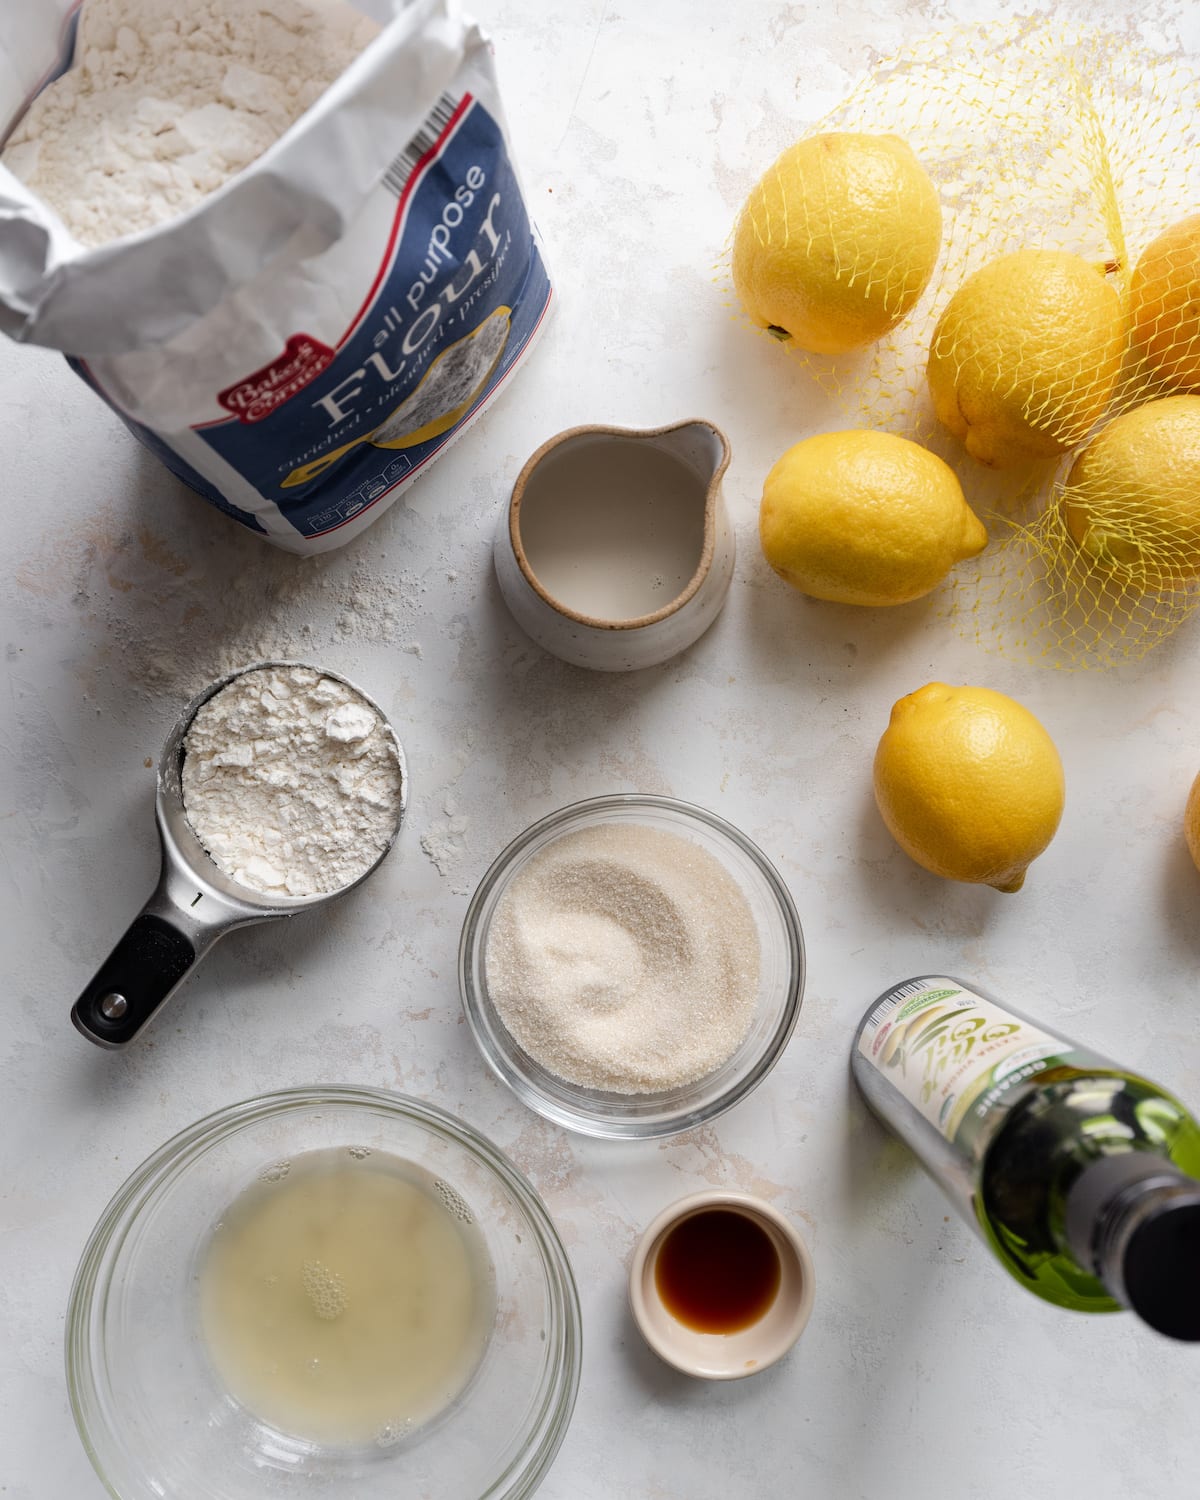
pixel 994 251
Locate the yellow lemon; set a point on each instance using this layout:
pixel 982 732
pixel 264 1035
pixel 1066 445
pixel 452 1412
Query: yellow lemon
pixel 1132 498
pixel 864 517
pixel 1025 356
pixel 1191 822
pixel 1164 297
pixel 969 784
pixel 837 241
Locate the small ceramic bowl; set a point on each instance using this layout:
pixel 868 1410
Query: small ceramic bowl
pixel 615 551
pixel 724 1356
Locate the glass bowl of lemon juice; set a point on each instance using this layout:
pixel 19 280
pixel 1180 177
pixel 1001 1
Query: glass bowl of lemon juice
pixel 324 1291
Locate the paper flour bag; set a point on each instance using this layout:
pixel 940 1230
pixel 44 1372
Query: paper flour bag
pixel 300 342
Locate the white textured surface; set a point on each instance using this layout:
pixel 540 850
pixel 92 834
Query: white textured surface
pixel 924 1370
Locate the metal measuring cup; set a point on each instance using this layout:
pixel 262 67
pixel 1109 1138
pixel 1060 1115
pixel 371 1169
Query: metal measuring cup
pixel 194 902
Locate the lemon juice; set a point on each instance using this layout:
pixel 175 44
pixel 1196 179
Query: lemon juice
pixel 346 1296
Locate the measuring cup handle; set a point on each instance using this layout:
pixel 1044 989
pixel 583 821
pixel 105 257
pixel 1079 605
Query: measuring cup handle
pixel 142 971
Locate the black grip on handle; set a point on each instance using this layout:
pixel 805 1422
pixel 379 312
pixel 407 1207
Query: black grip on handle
pixel 133 981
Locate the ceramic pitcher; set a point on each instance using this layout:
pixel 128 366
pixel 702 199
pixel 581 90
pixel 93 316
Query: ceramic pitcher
pixel 643 640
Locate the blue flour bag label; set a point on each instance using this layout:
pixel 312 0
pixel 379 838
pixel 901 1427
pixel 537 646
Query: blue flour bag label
pixel 300 366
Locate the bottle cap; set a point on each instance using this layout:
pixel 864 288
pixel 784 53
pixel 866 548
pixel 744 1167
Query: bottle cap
pixel 1133 1220
pixel 1161 1266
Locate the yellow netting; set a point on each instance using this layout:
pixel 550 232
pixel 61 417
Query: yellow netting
pixel 1040 139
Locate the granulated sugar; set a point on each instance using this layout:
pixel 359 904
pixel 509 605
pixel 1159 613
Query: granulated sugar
pixel 626 958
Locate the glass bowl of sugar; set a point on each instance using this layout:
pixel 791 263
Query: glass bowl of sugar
pixel 328 1291
pixel 631 966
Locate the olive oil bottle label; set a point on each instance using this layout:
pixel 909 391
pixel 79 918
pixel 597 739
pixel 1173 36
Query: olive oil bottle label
pixel 954 1055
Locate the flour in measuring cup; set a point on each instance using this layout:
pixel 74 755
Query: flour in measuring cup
pixel 291 781
pixel 167 99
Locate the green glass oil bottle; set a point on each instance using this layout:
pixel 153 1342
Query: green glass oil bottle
pixel 1084 1178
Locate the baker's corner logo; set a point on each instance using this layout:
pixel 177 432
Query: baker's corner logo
pixel 258 395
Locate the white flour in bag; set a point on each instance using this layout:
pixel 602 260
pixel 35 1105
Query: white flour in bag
pixel 372 274
pixel 167 99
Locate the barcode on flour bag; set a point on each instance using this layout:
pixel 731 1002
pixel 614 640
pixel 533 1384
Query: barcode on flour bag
pixel 307 396
pixel 397 175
